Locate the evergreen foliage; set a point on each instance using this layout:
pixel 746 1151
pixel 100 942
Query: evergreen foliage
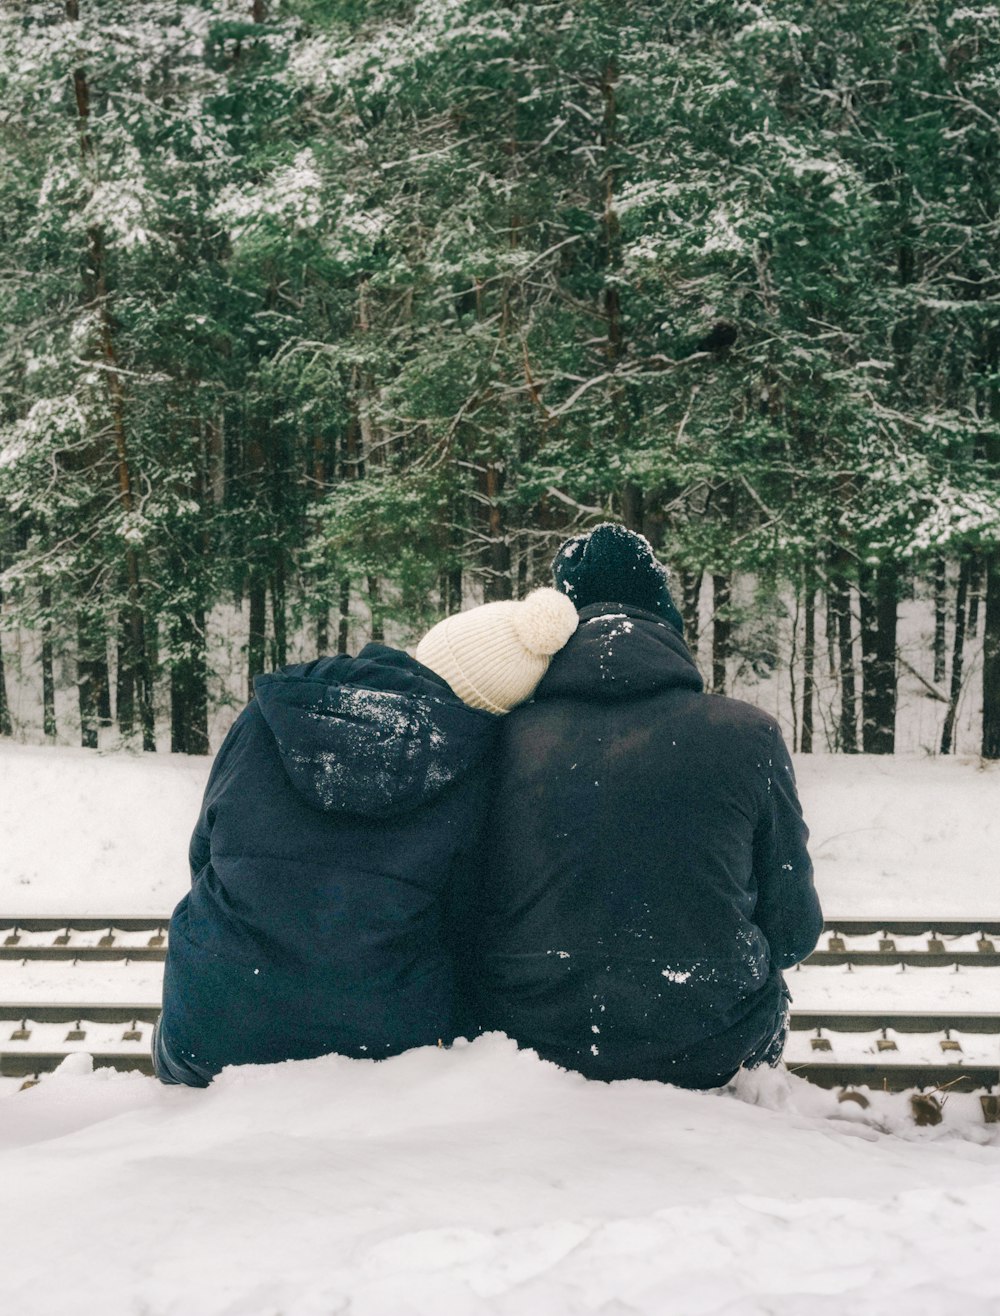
pixel 352 311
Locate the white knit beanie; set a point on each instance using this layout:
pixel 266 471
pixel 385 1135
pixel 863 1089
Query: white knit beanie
pixel 493 656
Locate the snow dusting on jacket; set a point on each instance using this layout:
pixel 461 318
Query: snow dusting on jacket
pixel 647 874
pixel 343 801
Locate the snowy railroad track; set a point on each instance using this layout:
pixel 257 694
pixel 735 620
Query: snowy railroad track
pixel 889 1004
pixel 845 941
pixel 83 939
pixel 908 942
pixel 36 1046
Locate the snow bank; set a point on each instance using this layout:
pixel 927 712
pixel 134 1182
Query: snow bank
pixel 482 1180
pixel 87 833
pixel 904 835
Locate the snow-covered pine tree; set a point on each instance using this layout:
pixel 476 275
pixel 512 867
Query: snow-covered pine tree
pixel 348 312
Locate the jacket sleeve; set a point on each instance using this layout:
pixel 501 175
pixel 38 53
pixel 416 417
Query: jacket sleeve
pixel 788 910
pixel 200 849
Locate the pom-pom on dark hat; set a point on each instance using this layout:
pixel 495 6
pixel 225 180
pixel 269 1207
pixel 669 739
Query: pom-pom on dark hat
pixel 611 564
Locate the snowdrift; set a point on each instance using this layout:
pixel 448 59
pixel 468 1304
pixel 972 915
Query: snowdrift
pixel 86 833
pixel 482 1180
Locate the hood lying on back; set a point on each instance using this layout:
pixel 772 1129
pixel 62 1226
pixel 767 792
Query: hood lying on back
pixel 618 652
pixel 374 735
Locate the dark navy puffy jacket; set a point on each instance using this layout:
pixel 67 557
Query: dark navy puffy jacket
pixel 345 800
pixel 646 875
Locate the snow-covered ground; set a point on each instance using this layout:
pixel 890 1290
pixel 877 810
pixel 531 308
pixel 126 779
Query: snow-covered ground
pixel 815 987
pixel 903 835
pixel 107 834
pixel 478 1179
pixel 84 833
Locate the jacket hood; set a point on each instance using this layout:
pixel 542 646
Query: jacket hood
pixel 618 652
pixel 375 735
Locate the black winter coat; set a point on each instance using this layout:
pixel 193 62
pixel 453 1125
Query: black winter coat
pixel 345 799
pixel 646 867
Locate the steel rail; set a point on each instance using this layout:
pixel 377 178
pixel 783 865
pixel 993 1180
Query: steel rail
pixel 836 950
pixel 123 939
pixel 898 1077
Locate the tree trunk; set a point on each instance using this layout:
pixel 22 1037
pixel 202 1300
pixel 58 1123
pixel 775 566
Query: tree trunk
pixel 722 631
pixel 832 666
pixel 279 650
pixel 138 660
pixel 189 688
pixel 879 593
pixel 375 607
pixel 975 594
pixel 632 497
pixel 178 711
pixel 257 637
pixel 990 455
pixel 125 683
pixel 612 227
pixel 257 493
pixel 48 672
pixel 102 684
pixel 6 725
pixel 320 484
pixel 886 685
pixel 868 629
pixel 498 582
pixel 940 619
pixel 451 590
pixel 690 582
pixel 216 459
pixel 455 574
pixel 957 659
pixel 344 623
pixel 523 562
pixel 840 612
pixel 808 665
pixel 793 660
pixel 86 683
pixel 97 292
pixel 633 506
pixel 991 658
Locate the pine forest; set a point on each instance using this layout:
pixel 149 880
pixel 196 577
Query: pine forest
pixel 322 318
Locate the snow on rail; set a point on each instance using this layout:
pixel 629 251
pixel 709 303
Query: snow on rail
pixel 892 1005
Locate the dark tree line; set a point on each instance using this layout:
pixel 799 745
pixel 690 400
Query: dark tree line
pixel 342 315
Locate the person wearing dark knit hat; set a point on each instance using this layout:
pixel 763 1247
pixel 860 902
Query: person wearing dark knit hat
pixel 645 879
pixel 612 564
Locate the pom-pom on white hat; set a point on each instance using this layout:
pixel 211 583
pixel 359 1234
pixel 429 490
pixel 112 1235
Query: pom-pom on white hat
pixel 493 656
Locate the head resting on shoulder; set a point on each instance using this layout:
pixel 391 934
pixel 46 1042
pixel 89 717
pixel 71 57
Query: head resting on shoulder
pixel 494 656
pixel 611 564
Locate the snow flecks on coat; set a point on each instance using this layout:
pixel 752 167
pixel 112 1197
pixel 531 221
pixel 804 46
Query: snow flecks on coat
pixel 670 884
pixel 395 736
pixel 347 798
pixel 373 751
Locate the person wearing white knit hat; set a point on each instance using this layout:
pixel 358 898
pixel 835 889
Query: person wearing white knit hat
pixel 494 656
pixel 343 815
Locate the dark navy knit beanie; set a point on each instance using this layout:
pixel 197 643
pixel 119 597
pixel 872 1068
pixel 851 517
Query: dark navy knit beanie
pixel 611 564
